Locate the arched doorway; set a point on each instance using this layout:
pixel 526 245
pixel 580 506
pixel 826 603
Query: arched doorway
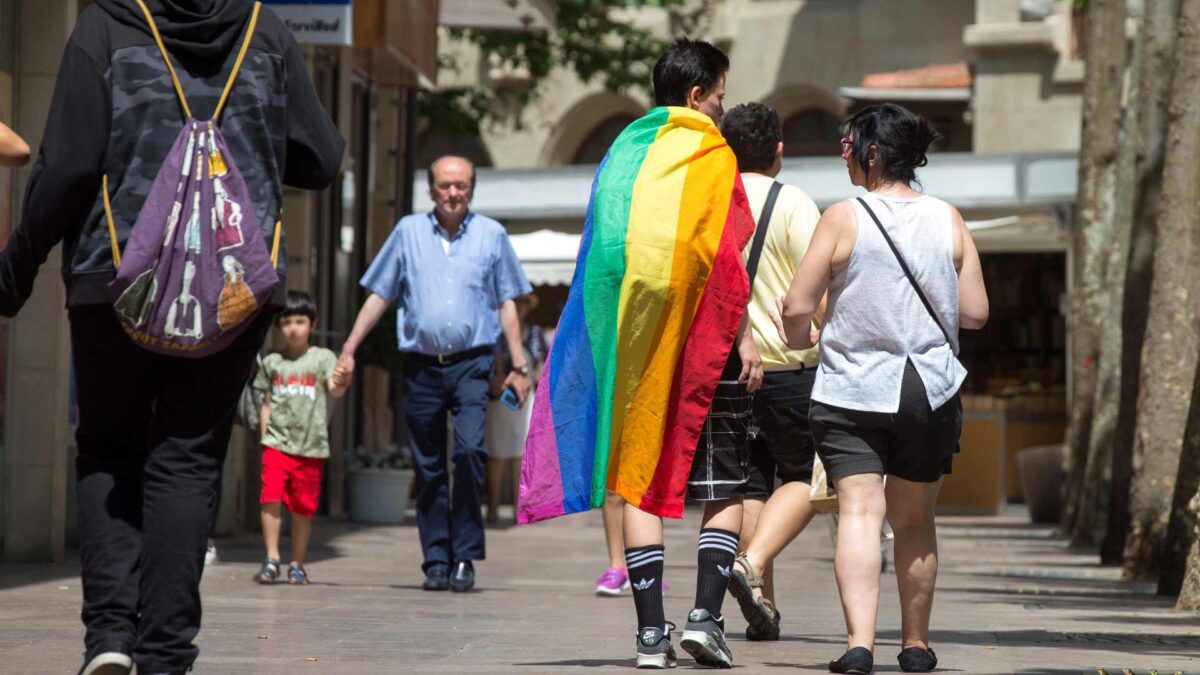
pixel 596 144
pixel 812 132
pixel 586 129
pixel 812 116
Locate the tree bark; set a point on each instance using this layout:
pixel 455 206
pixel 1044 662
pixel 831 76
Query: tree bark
pixel 1157 39
pixel 1189 594
pixel 1092 233
pixel 1172 343
pixel 1095 494
pixel 1181 530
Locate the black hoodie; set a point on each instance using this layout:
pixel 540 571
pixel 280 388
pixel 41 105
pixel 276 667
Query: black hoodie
pixel 199 33
pixel 115 113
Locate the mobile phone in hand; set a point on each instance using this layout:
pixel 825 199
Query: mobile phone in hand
pixel 510 399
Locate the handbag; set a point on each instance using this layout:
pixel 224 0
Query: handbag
pixel 822 496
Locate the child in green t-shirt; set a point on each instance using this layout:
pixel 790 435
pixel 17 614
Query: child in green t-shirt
pixel 295 436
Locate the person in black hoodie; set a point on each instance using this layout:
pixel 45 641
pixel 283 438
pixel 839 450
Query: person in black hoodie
pixel 153 429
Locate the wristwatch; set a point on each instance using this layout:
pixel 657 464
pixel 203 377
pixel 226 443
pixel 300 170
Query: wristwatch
pixel 523 370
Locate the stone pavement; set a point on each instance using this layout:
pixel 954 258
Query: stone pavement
pixel 1011 599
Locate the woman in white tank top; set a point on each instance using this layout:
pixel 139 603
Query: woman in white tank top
pixel 886 400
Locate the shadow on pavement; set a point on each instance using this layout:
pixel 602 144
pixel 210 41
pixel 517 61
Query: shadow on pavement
pixel 1136 644
pixel 15 575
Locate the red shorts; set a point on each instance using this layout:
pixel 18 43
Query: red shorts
pixel 295 481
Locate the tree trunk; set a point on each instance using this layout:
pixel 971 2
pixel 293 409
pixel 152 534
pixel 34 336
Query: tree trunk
pixel 1157 39
pixel 1092 233
pixel 1172 344
pixel 1189 594
pixel 1181 530
pixel 1095 494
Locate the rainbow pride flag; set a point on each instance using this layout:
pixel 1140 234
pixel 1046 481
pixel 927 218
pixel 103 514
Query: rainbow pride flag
pixel 655 304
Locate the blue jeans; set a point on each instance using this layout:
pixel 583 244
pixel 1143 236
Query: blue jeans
pixel 450 525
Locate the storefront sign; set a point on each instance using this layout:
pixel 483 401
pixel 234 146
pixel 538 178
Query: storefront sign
pixel 316 22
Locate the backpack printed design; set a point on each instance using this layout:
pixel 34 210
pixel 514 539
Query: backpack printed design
pixel 237 302
pixel 195 269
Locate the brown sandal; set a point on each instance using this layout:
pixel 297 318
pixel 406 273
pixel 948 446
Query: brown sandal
pixel 742 582
pixel 772 631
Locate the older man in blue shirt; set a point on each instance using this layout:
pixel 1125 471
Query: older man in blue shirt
pixel 454 277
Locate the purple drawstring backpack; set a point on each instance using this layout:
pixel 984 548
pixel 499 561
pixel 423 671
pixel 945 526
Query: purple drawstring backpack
pixel 195 268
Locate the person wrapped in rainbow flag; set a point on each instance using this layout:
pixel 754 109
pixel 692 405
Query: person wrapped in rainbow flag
pixel 629 399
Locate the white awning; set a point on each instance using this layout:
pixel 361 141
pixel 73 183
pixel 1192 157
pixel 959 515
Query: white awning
pixel 548 256
pixel 1016 234
pixel 962 94
pixel 1004 183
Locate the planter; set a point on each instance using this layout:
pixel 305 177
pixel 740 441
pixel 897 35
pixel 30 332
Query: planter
pixel 378 496
pixel 1042 478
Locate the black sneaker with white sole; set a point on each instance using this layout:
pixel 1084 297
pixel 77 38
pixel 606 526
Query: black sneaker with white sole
pixel 654 649
pixel 704 639
pixel 115 662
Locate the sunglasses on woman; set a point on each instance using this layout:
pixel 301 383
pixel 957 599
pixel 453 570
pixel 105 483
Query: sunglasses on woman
pixel 846 145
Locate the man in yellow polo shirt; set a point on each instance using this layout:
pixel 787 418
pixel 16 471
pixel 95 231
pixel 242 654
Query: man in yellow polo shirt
pixel 781 445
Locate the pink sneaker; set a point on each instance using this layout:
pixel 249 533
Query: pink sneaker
pixel 613 582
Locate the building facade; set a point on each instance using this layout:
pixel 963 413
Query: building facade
pixel 1001 79
pixel 367 59
pixel 809 59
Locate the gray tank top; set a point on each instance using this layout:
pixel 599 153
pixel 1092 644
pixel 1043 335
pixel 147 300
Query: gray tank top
pixel 874 320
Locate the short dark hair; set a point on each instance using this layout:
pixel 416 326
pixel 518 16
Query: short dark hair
pixel 754 132
pixel 298 303
pixel 687 64
pixel 900 136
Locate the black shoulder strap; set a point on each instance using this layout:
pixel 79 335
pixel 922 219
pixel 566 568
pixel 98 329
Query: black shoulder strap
pixel 760 231
pixel 908 273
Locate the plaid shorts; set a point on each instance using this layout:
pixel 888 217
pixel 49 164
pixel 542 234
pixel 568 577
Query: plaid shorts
pixel 720 469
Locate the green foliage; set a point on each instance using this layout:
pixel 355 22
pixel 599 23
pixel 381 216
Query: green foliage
pixel 589 37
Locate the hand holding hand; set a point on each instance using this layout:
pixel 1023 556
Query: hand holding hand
pixel 343 371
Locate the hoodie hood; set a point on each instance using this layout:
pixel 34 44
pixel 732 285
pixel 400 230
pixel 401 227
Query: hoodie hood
pixel 199 33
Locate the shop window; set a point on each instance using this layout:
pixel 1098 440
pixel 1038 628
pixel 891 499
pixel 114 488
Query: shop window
pixel 596 144
pixel 811 132
pixel 1023 346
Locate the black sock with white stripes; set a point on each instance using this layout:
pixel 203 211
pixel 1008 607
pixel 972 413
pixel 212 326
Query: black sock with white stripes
pixel 714 560
pixel 645 567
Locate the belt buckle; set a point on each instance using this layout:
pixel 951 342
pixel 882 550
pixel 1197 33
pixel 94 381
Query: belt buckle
pixel 441 359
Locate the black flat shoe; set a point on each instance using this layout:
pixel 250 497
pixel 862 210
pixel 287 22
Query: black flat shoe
pixel 463 578
pixel 859 661
pixel 917 660
pixel 436 579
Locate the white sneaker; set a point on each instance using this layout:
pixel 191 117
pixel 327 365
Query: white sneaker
pixel 108 663
pixel 210 556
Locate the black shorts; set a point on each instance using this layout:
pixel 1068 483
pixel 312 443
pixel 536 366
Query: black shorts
pixel 781 443
pixel 719 468
pixel 915 443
